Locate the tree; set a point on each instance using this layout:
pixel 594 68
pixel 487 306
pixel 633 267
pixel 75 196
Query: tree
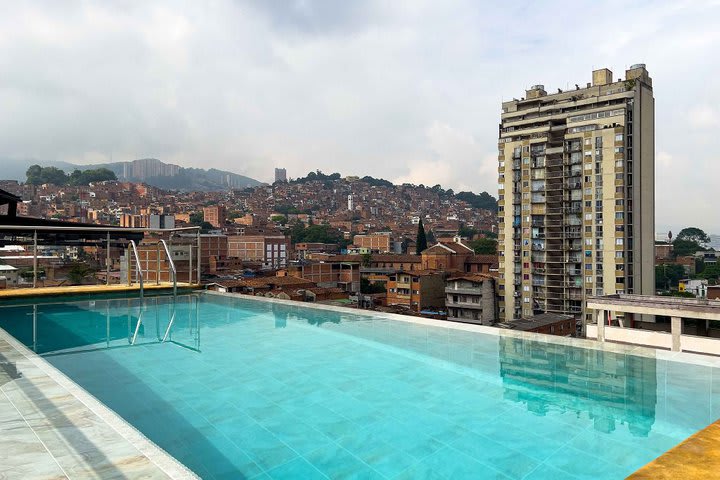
pixel 78 271
pixel 421 239
pixel 206 227
pixel 37 175
pixel 197 218
pixel 668 276
pixel 315 234
pixel 693 234
pixel 484 200
pixel 682 247
pixel 366 259
pixel 484 246
pixel 33 174
pixel 710 272
pixel 467 232
pixel 374 287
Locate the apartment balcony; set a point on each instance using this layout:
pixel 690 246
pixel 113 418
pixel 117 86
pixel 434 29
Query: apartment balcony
pixel 538 282
pixel 573 184
pixel 463 291
pixel 473 306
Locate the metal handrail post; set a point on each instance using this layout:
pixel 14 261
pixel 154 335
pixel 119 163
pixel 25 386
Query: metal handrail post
pixel 190 264
pixel 34 258
pixel 199 254
pixel 107 260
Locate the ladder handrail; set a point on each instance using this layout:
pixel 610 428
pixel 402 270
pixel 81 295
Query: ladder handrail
pixel 170 324
pixel 172 267
pixel 137 327
pixel 139 268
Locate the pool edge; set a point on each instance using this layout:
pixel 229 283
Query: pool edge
pixel 683 357
pixel 161 459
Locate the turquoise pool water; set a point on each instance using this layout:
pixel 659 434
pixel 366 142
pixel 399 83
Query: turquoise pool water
pixel 249 389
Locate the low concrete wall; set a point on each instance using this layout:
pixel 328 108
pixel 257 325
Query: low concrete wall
pixel 690 343
pixel 650 338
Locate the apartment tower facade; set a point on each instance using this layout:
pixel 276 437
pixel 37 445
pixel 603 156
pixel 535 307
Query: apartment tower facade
pixel 576 195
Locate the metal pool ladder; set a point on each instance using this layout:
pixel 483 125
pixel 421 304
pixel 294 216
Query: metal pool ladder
pixel 172 266
pixel 139 272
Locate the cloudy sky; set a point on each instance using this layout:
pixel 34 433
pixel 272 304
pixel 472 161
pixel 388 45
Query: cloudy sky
pixel 404 90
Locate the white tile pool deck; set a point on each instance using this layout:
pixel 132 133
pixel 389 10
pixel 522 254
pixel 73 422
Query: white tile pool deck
pixel 52 428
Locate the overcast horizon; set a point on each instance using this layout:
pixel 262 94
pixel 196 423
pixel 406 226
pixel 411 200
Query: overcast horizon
pixel 407 91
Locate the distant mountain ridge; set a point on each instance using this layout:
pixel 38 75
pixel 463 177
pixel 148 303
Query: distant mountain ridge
pixel 154 172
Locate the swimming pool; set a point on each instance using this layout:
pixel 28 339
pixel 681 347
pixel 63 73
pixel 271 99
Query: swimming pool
pixel 243 388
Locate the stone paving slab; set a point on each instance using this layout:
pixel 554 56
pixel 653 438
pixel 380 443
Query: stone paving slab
pixel 50 428
pixel 698 457
pixel 85 289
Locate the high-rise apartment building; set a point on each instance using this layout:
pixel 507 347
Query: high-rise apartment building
pixel 576 194
pixel 280 175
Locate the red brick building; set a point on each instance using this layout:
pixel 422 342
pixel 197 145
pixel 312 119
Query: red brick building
pixel 416 290
pixel 214 215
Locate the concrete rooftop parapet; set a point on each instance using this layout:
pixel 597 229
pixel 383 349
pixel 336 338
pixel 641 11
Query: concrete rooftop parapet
pixel 657 305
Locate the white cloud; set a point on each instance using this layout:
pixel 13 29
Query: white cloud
pixel 400 90
pixel 704 116
pixel 453 159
